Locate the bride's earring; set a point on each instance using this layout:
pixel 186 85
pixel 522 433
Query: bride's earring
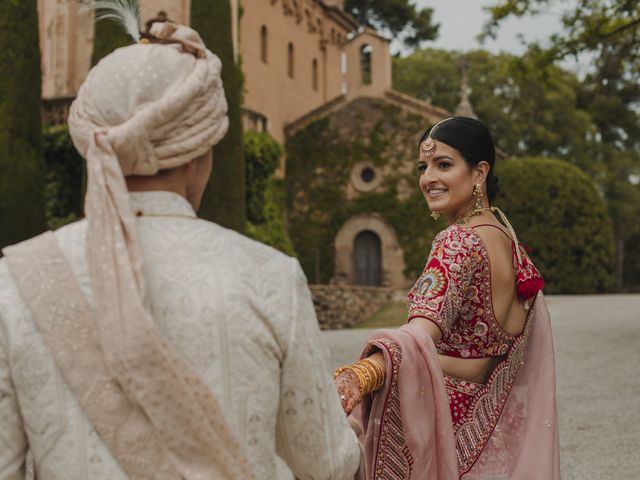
pixel 477 192
pixel 435 215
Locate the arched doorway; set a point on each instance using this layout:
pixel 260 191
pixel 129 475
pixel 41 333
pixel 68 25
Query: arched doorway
pixel 367 259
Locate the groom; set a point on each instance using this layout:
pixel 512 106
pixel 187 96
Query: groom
pixel 143 342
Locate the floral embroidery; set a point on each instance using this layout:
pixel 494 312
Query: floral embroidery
pixel 461 393
pixel 454 291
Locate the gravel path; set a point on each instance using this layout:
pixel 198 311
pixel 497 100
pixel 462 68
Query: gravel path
pixel 597 343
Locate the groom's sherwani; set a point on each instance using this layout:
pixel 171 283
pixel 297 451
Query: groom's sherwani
pixel 238 311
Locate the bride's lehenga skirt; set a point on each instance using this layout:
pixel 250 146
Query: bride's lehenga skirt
pixel 461 393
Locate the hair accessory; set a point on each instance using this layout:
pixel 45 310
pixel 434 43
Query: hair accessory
pixel 428 146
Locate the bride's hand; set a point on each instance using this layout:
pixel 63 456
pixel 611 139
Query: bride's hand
pixel 348 390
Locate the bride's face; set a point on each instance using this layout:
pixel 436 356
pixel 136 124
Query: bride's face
pixel 446 181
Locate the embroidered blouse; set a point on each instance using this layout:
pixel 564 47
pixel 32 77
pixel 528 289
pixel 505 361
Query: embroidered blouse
pixel 454 292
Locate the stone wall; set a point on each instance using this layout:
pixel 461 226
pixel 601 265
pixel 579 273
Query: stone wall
pixel 343 306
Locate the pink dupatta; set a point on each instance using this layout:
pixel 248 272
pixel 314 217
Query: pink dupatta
pixel 511 432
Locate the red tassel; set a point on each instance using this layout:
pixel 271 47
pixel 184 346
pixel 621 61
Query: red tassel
pixel 530 287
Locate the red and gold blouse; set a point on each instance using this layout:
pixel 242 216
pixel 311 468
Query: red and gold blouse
pixel 454 292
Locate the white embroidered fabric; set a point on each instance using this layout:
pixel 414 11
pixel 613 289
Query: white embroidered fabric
pixel 238 311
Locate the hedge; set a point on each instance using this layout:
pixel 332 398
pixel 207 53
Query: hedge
pixel 558 212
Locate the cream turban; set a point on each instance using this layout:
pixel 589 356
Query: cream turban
pixel 144 108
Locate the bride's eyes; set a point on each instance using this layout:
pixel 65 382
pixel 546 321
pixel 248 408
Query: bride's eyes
pixel 422 167
pixel 444 165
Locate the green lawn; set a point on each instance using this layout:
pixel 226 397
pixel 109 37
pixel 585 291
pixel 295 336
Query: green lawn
pixel 393 314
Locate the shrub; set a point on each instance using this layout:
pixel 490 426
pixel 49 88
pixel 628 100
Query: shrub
pixel 272 230
pixel 63 188
pixel 264 193
pixel 558 211
pixel 262 157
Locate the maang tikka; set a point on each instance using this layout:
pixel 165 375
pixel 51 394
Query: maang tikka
pixel 428 148
pixel 428 145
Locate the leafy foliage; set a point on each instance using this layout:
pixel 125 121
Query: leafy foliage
pixel 22 205
pixel 400 18
pixel 558 212
pixel 265 193
pixel 64 180
pixel 224 198
pixel 608 31
pixel 262 157
pixel 272 230
pixel 531 110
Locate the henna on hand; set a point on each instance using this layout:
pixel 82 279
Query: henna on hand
pixel 348 390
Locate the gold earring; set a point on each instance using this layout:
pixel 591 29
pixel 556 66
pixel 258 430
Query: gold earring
pixel 477 192
pixel 435 215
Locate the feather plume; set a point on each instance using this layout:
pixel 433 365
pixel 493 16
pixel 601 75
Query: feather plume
pixel 124 12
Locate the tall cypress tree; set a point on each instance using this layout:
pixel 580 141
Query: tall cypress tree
pixel 107 36
pixel 22 205
pixel 223 200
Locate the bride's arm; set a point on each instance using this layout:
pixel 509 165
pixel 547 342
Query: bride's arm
pixel 367 376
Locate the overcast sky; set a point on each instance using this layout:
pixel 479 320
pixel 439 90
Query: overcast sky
pixel 462 20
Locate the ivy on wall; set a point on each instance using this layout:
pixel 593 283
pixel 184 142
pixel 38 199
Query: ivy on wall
pixel 320 158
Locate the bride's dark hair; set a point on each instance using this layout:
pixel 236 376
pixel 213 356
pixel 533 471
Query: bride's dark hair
pixel 473 140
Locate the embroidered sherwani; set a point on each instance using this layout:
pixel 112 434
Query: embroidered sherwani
pixel 238 311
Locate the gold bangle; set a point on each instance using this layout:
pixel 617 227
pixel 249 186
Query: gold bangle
pixel 378 374
pixel 370 374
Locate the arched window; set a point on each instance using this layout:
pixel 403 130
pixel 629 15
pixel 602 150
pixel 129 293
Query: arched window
pixel 314 74
pixel 365 63
pixel 263 44
pixel 290 60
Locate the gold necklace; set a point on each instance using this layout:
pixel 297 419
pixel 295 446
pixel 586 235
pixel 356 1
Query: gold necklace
pixel 462 219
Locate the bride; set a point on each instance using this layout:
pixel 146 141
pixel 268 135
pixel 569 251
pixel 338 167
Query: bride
pixel 467 387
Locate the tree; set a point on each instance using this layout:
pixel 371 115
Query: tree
pixel 224 198
pixel 22 205
pixel 530 110
pixel 608 31
pixel 400 18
